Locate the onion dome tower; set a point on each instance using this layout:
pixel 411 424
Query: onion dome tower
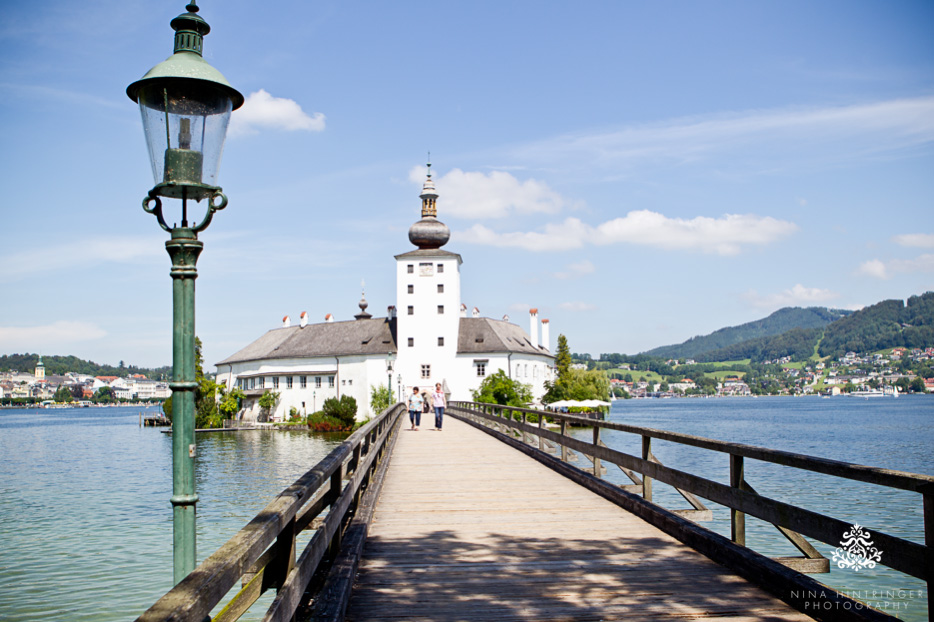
pixel 429 232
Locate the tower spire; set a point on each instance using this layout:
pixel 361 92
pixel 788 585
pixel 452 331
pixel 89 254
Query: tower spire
pixel 429 233
pixel 429 196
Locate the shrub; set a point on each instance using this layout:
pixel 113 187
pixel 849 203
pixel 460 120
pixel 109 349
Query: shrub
pixel 319 422
pixel 343 409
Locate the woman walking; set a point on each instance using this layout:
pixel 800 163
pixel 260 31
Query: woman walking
pixel 439 403
pixel 416 403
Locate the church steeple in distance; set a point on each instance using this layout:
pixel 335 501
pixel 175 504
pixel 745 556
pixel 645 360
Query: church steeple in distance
pixel 429 232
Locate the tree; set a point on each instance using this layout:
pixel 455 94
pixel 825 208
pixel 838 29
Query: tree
pixel 498 388
pixel 562 355
pixel 343 409
pixel 77 391
pixel 380 398
pixel 229 403
pixel 63 394
pixel 917 384
pixel 104 395
pixel 268 401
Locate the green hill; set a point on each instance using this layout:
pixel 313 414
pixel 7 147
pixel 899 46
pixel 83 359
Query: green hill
pixel 888 324
pixel 780 322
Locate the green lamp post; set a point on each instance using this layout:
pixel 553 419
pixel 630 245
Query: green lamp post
pixel 185 105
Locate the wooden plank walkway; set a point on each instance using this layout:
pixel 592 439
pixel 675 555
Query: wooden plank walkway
pixel 468 528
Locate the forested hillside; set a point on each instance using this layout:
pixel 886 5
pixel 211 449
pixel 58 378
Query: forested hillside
pixel 798 343
pixel 57 365
pixel 888 324
pixel 778 323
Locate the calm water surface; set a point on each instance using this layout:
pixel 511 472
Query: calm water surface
pixel 85 519
pixel 86 524
pixel 882 432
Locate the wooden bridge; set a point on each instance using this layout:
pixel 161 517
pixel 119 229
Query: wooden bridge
pixel 491 520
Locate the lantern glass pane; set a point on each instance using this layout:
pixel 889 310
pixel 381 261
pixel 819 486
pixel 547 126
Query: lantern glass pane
pixel 185 123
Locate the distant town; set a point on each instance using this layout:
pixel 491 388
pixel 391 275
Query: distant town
pixel 19 388
pixel 899 370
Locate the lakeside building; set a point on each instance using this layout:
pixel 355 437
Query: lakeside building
pixel 425 338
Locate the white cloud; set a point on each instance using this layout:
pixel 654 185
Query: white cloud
pixel 575 270
pixel 263 111
pixel 922 240
pixel 577 306
pixel 723 236
pixel 799 295
pixel 49 337
pixel 829 134
pixel 472 194
pixel 879 269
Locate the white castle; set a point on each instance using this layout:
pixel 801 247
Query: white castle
pixel 426 338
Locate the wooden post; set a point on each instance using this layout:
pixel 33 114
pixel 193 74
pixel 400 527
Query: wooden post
pixel 646 480
pixel 541 425
pixel 337 485
pixel 596 443
pixel 564 432
pixel 928 497
pixel 737 518
pixel 525 420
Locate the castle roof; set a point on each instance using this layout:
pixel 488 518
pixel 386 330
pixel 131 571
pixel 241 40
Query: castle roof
pixel 354 337
pixel 377 336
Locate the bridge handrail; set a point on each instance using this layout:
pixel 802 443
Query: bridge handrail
pixel 262 553
pixel 904 480
pixel 904 555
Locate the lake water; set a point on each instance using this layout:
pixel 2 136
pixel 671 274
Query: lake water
pixel 881 432
pixel 85 519
pixel 86 525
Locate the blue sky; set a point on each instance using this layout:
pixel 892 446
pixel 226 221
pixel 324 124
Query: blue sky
pixel 641 172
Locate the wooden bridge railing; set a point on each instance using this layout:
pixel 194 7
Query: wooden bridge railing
pixel 899 554
pixel 262 555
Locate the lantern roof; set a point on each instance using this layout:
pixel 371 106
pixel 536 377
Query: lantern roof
pixel 187 63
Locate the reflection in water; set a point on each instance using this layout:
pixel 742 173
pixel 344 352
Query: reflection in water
pixel 85 518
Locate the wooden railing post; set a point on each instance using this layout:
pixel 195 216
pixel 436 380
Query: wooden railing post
pixel 525 420
pixel 737 518
pixel 596 443
pixel 928 497
pixel 541 425
pixel 337 485
pixel 646 480
pixel 564 432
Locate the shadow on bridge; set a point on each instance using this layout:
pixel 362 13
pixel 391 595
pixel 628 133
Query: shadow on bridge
pixel 443 576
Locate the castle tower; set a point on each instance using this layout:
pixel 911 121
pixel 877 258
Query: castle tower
pixel 427 299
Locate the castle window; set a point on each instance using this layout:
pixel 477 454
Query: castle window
pixel 317 382
pixel 288 382
pixel 411 289
pixel 440 288
pixel 440 341
pixel 440 309
pixel 426 371
pixel 426 269
pixel 411 341
pixel 275 382
pixel 303 381
pixel 481 369
pixel 440 268
pixel 331 381
pixel 410 269
pixel 411 310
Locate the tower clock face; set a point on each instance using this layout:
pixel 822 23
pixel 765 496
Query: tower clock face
pixel 426 269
